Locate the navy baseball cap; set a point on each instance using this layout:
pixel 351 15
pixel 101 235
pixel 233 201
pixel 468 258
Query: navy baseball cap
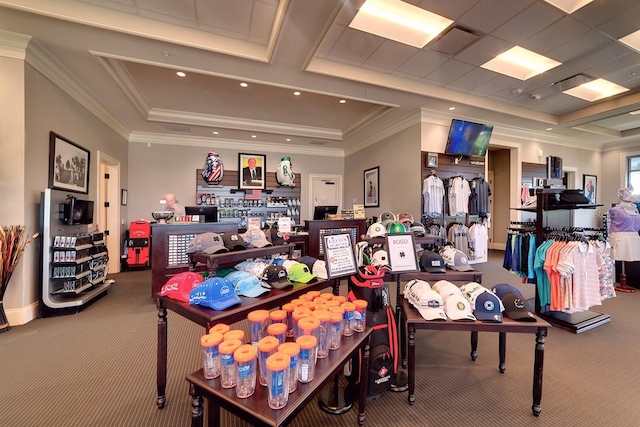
pixel 502 289
pixel 488 307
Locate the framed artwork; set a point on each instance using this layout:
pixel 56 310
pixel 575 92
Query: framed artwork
pixel 68 165
pixel 252 171
pixel 372 187
pixel 123 197
pixel 432 160
pixel 590 186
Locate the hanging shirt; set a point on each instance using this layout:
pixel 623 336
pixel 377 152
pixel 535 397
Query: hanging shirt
pixel 433 195
pixel 459 192
pixel 459 236
pixel 478 237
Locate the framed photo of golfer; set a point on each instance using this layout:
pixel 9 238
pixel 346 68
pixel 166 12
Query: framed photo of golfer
pixel 372 187
pixel 68 165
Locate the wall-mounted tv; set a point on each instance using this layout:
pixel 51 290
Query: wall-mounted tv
pixel 210 213
pixel 468 138
pixel 77 212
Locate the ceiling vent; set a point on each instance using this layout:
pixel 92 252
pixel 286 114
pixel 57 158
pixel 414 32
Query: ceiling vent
pixel 455 40
pixel 181 129
pixel 314 142
pixel 571 82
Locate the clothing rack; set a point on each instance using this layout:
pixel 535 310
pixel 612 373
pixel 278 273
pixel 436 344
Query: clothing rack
pixel 576 322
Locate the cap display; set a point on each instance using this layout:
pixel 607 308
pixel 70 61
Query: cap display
pixel 300 273
pixel 276 276
pixel 209 243
pixel 458 308
pixel 431 262
pixel 446 288
pixel 255 238
pixel 488 307
pixel 502 289
pixel 376 230
pixel 217 293
pixel 179 286
pixel 430 305
pixel 455 259
pixel 517 308
pixel 233 241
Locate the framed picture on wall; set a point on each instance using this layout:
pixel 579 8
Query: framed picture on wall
pixel 590 186
pixel 372 187
pixel 432 160
pixel 252 171
pixel 68 165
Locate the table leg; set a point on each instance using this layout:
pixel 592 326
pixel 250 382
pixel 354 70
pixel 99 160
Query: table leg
pixel 412 364
pixel 364 382
pixel 196 406
pixel 403 340
pixel 161 354
pixel 474 345
pixel 502 350
pixel 537 371
pixel 213 415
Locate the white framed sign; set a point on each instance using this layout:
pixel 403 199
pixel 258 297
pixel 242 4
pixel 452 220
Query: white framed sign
pixel 401 250
pixel 254 223
pixel 339 255
pixel 284 224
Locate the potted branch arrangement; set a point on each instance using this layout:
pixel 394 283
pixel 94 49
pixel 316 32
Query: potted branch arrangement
pixel 13 241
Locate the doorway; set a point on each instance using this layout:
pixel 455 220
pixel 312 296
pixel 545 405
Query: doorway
pixel 108 202
pixel 325 190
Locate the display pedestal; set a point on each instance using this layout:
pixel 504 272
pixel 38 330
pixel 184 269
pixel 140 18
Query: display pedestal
pixel 332 400
pixel 623 281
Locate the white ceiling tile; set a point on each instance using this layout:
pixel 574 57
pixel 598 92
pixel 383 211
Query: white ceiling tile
pixel 343 60
pixel 330 38
pixel 496 85
pixel 487 15
pixel 528 22
pixel 605 54
pixel 448 9
pixel 125 6
pixel 621 63
pixel 629 77
pixel 622 25
pixel 483 50
pixel 474 78
pixel 599 11
pixel 356 45
pixel 422 63
pixel 229 16
pixel 557 34
pixel 589 41
pixel 175 20
pixel 390 55
pixel 450 71
pixel 182 9
pixel 262 19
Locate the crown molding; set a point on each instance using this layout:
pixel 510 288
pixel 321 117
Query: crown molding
pixel 13 45
pixel 399 125
pixel 196 141
pixel 120 74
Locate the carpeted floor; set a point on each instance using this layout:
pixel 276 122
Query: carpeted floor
pixel 98 368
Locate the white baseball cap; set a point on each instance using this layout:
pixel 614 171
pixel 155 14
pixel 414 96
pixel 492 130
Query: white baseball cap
pixel 380 258
pixel 446 288
pixel 471 291
pixel 458 308
pixel 376 230
pixel 430 305
pixel 416 290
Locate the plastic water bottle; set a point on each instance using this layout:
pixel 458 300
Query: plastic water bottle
pixel 278 379
pixel 227 362
pixel 266 347
pixel 292 349
pixel 307 358
pixel 360 315
pixel 211 355
pixel 245 357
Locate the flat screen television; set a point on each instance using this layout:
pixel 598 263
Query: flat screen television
pixel 468 138
pixel 321 212
pixel 77 212
pixel 210 213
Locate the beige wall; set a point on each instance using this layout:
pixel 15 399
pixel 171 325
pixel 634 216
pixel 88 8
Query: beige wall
pixel 32 107
pixel 157 169
pixel 614 163
pixel 398 157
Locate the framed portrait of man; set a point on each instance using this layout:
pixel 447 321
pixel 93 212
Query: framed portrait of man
pixel 252 171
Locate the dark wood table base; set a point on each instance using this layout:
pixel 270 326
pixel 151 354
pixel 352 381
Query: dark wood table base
pixel 414 321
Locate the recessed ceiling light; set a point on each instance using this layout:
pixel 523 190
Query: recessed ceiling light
pixel 595 90
pixel 253 136
pixel 215 132
pixel 632 40
pixel 288 139
pixel 452 108
pixel 520 63
pixel 569 6
pixel 296 93
pixel 181 74
pixel 343 101
pixel 399 21
pixel 243 84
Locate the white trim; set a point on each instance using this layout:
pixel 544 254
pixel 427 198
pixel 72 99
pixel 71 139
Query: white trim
pixel 623 167
pixel 22 315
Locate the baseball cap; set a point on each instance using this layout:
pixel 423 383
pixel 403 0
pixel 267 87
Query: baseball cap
pixel 255 238
pixel 233 241
pixel 387 215
pixel 308 261
pixel 396 227
pixel 320 269
pixel 376 230
pixel 409 285
pixel 223 271
pixel 217 293
pixel 179 286
pixel 417 229
pixel 446 288
pixel 288 263
pixel 380 258
pixel 430 305
pixel 276 276
pixel 415 290
pixel 488 307
pixel 431 262
pixel 278 238
pixel 209 243
pixel 402 216
pixel 501 289
pixel 471 291
pixel 517 308
pixel 456 259
pixel 246 284
pixel 458 308
pixel 300 273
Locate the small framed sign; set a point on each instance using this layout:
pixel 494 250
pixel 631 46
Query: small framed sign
pixel 339 255
pixel 401 249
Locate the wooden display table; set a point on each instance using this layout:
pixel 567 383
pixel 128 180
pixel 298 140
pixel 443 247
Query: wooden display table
pixel 207 317
pixel 414 321
pixel 255 409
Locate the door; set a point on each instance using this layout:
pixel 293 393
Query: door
pixel 325 190
pixel 491 228
pixel 108 203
